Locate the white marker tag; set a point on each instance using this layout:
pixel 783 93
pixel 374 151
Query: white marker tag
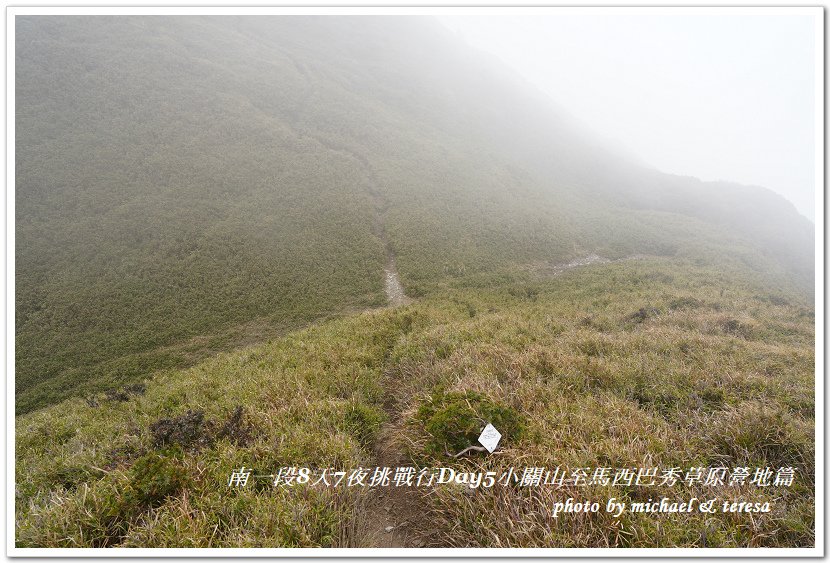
pixel 489 438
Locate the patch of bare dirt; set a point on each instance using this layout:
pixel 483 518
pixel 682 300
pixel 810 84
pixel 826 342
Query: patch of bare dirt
pixel 391 516
pixel 548 269
pixel 394 288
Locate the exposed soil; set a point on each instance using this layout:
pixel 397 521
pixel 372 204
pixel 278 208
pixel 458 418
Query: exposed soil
pixel 392 281
pixel 394 289
pixel 548 269
pixel 391 516
pixel 585 261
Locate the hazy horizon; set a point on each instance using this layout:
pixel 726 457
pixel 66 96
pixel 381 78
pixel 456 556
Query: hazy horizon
pixel 734 101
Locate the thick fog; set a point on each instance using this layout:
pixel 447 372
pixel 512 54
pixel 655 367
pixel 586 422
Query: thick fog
pixel 725 97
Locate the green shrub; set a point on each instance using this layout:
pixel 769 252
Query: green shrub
pixel 107 510
pixel 153 478
pixel 455 420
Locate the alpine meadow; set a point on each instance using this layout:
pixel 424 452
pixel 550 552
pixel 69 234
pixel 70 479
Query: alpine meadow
pixel 349 242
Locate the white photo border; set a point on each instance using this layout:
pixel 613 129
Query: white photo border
pixel 817 12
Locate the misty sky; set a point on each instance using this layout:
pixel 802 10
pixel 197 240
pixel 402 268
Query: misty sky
pixel 724 97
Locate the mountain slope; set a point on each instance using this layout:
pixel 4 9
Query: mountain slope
pixel 667 370
pixel 187 184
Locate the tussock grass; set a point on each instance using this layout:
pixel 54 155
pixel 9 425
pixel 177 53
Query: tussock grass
pixel 671 389
pixel 244 197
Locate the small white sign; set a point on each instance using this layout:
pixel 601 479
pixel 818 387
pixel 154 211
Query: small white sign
pixel 489 438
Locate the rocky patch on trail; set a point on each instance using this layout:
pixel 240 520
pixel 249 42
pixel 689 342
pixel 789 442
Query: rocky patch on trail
pixel 393 286
pixel 548 269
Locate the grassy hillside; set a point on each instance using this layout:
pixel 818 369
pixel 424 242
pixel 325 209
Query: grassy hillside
pixel 153 208
pixel 189 185
pixel 649 361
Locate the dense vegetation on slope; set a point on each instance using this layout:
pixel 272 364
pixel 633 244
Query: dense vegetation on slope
pixel 184 185
pixel 153 208
pixel 650 361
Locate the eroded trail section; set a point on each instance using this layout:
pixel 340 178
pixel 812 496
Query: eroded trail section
pixel 392 281
pixel 552 270
pixel 394 289
pixel 391 516
pixel 556 269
